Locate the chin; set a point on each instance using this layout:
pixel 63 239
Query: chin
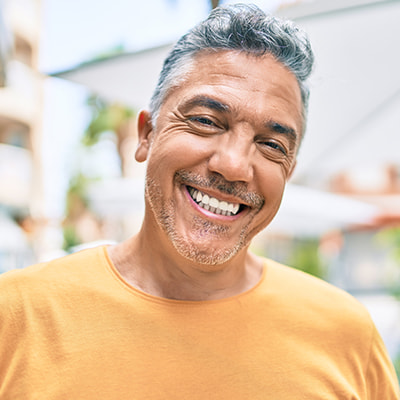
pixel 216 257
pixel 204 253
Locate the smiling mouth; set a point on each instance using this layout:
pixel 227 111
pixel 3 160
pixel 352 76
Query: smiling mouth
pixel 214 205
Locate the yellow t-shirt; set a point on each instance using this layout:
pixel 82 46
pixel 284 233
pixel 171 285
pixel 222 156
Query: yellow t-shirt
pixel 74 329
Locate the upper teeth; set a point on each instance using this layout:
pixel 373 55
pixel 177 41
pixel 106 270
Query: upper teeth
pixel 212 204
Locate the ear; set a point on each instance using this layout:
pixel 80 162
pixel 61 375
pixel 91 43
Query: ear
pixel 145 129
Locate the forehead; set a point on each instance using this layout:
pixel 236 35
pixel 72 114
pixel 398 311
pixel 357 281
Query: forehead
pixel 241 80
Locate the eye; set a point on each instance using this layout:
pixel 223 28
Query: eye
pixel 203 121
pixel 276 146
pixel 204 124
pixel 270 144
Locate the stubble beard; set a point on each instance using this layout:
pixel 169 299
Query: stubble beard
pixel 165 216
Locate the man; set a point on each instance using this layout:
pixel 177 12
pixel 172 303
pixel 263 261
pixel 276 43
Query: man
pixel 183 309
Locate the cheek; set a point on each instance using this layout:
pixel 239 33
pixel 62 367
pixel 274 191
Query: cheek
pixel 273 180
pixel 158 166
pixel 287 169
pixel 180 149
pixel 167 155
pixel 272 188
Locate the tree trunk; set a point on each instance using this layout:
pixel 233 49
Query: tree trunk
pixel 214 4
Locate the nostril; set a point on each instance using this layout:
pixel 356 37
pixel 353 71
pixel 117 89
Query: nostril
pixel 231 166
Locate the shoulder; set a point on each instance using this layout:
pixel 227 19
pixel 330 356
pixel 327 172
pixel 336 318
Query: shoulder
pixel 303 285
pixel 316 299
pixel 322 313
pixel 291 279
pixel 381 376
pixel 336 322
pixel 40 277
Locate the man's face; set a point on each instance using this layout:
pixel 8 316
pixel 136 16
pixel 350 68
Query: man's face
pixel 219 158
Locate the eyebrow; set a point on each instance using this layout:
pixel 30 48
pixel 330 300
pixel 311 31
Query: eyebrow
pixel 204 101
pixel 280 128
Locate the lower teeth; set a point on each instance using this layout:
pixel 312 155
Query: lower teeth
pixel 214 210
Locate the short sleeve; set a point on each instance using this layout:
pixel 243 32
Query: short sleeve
pixel 381 379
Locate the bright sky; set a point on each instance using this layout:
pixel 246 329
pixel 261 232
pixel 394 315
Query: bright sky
pixel 74 31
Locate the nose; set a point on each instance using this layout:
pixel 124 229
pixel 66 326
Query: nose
pixel 233 158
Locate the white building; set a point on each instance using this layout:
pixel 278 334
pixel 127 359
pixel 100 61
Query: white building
pixel 20 131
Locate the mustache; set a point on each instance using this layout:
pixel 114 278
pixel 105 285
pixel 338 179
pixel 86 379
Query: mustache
pixel 217 181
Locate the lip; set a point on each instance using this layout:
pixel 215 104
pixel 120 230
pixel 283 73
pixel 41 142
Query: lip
pixel 210 214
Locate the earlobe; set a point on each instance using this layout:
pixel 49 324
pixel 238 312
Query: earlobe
pixel 145 128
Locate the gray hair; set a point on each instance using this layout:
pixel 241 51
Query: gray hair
pixel 239 27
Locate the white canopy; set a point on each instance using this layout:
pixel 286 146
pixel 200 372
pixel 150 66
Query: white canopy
pixel 354 114
pixel 128 78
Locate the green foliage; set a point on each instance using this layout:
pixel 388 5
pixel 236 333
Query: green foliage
pixel 391 237
pixel 71 238
pixel 305 256
pixel 105 118
pixel 76 202
pixel 396 363
pixel 76 192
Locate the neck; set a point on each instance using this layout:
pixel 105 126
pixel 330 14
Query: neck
pixel 154 267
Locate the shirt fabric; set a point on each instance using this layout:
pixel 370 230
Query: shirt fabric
pixel 74 329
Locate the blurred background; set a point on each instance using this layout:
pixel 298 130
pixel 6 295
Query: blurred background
pixel 73 76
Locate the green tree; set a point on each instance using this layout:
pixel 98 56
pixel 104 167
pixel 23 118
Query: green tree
pixel 391 236
pixel 76 204
pixel 115 118
pixel 306 257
